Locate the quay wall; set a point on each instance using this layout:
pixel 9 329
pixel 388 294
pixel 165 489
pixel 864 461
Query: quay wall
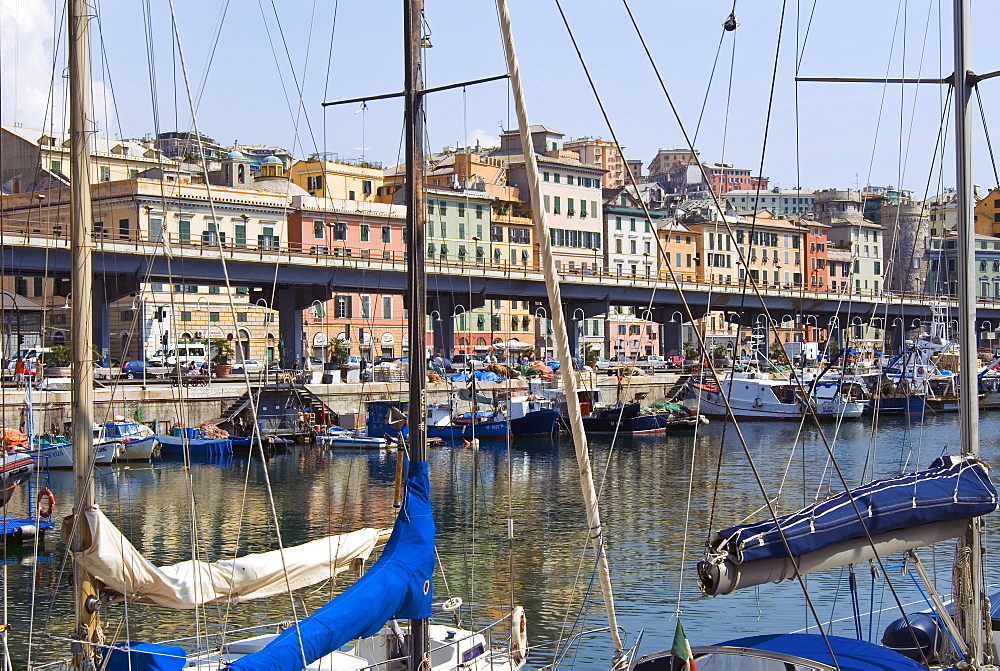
pixel 191 406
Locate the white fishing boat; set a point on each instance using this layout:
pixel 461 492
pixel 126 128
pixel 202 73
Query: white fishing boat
pixel 756 395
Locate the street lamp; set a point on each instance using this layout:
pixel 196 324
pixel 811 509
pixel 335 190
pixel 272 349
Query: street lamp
pixel 680 330
pixel 597 268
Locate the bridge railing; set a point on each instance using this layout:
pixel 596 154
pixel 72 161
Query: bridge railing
pixel 271 249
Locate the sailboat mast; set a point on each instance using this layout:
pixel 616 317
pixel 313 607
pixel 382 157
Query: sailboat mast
pixel 82 245
pixel 416 277
pixel 561 335
pixel 972 597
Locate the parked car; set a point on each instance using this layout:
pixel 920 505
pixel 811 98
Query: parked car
pixel 315 363
pixel 249 365
pixel 352 362
pixel 675 361
pixel 651 363
pixel 600 363
pixel 136 369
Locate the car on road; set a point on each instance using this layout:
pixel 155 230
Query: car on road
pixel 251 366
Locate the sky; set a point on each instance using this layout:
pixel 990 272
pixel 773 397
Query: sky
pixel 262 81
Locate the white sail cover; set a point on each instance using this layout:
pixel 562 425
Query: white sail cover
pixel 113 560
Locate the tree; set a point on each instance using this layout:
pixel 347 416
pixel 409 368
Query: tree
pixel 590 353
pixel 222 352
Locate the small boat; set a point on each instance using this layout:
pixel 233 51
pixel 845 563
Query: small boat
pixel 628 418
pixel 270 442
pixel 532 415
pixel 484 425
pixel 755 395
pixel 133 441
pixel 57 452
pixel 338 437
pixel 15 468
pixel 195 441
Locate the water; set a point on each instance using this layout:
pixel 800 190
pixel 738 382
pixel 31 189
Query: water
pixel 547 567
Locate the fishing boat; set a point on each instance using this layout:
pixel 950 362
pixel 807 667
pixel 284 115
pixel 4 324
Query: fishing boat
pixel 132 441
pixel 58 453
pixel 193 442
pixel 752 394
pixel 444 423
pixel 338 437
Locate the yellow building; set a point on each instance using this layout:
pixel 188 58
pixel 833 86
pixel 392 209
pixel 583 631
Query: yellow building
pixel 988 214
pixel 341 180
pixel 679 249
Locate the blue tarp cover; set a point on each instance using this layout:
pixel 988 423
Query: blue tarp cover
pixel 851 654
pixel 952 488
pixel 481 376
pixel 396 586
pixel 136 656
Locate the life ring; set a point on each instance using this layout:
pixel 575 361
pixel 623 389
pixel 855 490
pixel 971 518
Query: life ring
pixel 45 495
pixel 519 635
pixel 920 370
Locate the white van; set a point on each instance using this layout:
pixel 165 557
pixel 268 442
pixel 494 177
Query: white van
pixel 182 353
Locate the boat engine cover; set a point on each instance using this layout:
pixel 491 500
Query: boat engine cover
pixel 925 629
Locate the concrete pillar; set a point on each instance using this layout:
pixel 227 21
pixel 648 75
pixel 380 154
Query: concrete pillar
pixel 102 322
pixel 289 328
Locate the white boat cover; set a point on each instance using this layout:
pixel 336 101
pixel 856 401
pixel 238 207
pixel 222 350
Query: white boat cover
pixel 113 560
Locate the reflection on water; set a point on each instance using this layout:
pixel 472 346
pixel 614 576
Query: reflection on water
pixel 223 509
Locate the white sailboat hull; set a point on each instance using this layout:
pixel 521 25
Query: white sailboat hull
pixel 60 455
pixel 756 399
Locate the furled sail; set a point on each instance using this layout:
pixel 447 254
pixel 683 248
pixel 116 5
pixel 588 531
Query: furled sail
pixel 900 513
pixel 398 585
pixel 113 560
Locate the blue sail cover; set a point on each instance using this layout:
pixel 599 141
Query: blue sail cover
pixel 953 488
pixel 398 585
pixel 850 654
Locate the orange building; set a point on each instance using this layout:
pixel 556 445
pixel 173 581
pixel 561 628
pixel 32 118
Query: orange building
pixel 604 154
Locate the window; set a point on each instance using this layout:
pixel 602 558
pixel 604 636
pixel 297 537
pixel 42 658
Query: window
pixel 479 211
pixel 631 224
pixel 430 207
pixel 351 195
pixel 214 289
pixel 618 223
pixel 267 240
pixel 444 208
pixel 105 173
pixel 545 177
pixel 318 227
pixel 366 307
pixel 556 205
pixel 214 316
pixel 570 210
pixel 314 183
pixel 569 179
pixel 38 283
pixel 386 307
pixel 878 267
pixel 386 235
pixel 555 177
pixel 124 229
pixel 241 316
pixel 55 166
pixel 366 187
pixel 547 201
pixel 241 235
pixel 183 231
pixel 156 229
pixel 365 233
pixel 342 307
pixel 340 231
pixel 461 210
pixel 185 316
pixel 618 245
pixel 461 231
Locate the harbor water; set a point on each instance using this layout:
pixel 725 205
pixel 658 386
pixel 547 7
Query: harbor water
pixel 653 535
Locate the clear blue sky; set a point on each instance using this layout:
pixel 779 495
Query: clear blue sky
pixel 250 94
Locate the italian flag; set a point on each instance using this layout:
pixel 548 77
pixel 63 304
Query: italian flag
pixel 681 650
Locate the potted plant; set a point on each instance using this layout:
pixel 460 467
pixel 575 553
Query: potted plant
pixel 222 357
pixel 591 354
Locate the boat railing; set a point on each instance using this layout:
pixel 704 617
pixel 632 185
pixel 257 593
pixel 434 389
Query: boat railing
pixel 569 644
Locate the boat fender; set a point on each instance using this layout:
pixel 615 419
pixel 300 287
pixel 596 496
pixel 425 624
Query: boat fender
pixel 46 503
pixel 26 532
pixel 519 635
pixel 757 403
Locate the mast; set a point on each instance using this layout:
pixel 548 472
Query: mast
pixel 561 336
pixel 86 599
pixel 971 548
pixel 416 277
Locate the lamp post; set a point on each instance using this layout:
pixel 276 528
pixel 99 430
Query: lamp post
pixel 680 330
pixel 597 268
pixel 262 304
